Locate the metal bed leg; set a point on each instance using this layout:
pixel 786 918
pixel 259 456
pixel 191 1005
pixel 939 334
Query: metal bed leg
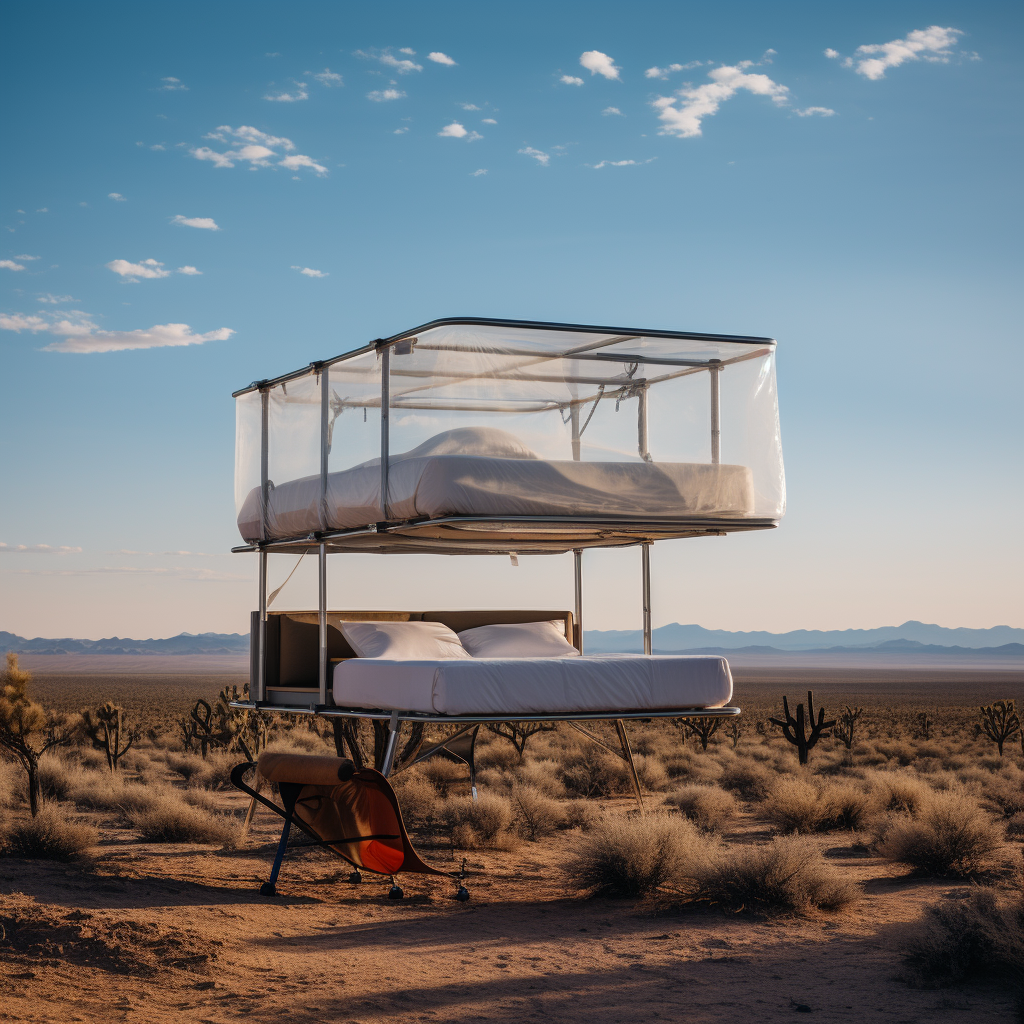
pixel 394 727
pixel 627 756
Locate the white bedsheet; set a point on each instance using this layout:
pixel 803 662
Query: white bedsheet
pixel 442 485
pixel 512 686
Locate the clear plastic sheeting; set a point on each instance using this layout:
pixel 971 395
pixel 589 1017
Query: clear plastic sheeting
pixel 457 433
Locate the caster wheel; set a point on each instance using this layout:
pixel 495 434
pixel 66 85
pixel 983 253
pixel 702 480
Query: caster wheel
pixel 355 878
pixel 268 889
pixel 463 894
pixel 395 893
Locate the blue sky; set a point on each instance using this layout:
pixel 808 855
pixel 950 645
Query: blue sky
pixel 844 178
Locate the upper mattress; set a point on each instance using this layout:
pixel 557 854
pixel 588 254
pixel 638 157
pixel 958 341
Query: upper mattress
pixel 443 485
pixel 525 686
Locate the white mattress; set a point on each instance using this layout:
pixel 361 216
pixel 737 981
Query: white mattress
pixel 440 485
pixel 513 686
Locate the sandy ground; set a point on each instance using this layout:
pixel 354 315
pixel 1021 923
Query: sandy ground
pixel 180 933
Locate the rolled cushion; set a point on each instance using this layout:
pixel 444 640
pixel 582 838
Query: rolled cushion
pixel 305 769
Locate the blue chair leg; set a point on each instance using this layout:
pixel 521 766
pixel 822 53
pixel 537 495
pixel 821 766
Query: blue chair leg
pixel 289 794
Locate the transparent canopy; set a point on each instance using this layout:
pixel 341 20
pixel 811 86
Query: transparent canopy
pixel 496 436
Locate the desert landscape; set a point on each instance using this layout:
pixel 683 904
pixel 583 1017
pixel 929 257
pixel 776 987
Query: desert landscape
pixel 881 881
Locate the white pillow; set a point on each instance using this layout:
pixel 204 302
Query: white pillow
pixel 519 640
pixel 403 641
pixel 490 442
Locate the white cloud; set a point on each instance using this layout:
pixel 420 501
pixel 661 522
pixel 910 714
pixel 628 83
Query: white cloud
pixel 310 272
pixel 612 110
pixel 39 549
pixel 255 147
pixel 624 163
pixel 383 95
pixel 815 112
pixel 218 159
pixel 831 54
pixel 327 77
pixel 696 103
pixel 488 120
pixel 43 209
pixel 11 265
pixel 208 223
pixel 82 336
pixel 469 106
pixel 147 268
pixel 598 63
pixel 440 58
pixel 172 85
pixel 159 146
pixel 117 197
pixel 25 256
pixel 538 155
pixel 399 131
pixel 55 300
pixel 246 133
pixel 408 50
pixel 657 72
pixel 931 44
pixel 297 160
pixel 290 97
pixel 401 67
pixel 189 271
pixel 571 80
pixel 478 172
pixel 458 131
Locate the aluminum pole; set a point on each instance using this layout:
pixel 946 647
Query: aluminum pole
pixel 577 558
pixel 264 465
pixel 324 414
pixel 385 420
pixel 716 420
pixel 642 439
pixel 645 566
pixel 574 419
pixel 261 654
pixel 323 622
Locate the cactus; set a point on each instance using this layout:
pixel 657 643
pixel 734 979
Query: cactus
pixel 923 729
pixel 108 730
pixel 794 728
pixel 702 728
pixel 734 731
pixel 846 725
pixel 1000 722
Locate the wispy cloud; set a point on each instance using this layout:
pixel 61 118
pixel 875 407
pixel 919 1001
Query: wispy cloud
pixel 598 63
pixel 478 172
pixel 172 85
pixel 623 163
pixel 469 106
pixel 55 300
pixel 11 265
pixel 310 272
pixel 208 223
pixel 488 120
pixel 389 60
pixel 657 72
pixel 458 131
pixel 327 77
pixel 301 93
pixel 440 58
pixel 150 269
pixel 38 549
pixel 608 111
pixel 539 155
pixel 25 256
pixel 256 148
pixel 189 271
pixel 82 336
pixel 930 44
pixel 117 197
pixel 383 95
pixel 682 114
pixel 570 80
pixel 815 112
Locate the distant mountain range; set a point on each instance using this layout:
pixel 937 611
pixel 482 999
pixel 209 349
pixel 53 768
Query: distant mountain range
pixel 910 638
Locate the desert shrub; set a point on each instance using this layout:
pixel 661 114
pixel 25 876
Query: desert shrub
pixel 686 764
pixel 50 835
pixel 633 856
pixel 897 750
pixel 786 876
pixel 169 819
pixel 101 791
pixel 8 783
pixel 1006 793
pixel 91 759
pixel 650 771
pixel 486 821
pixel 202 798
pixel 589 771
pixel 753 781
pixel 443 774
pixel 496 755
pixel 1015 826
pixel 191 767
pixel 416 797
pixel 949 834
pixel 55 775
pixel 536 815
pixel 898 791
pixel 581 814
pixel 794 806
pixel 711 809
pixel 544 776
pixel 845 807
pixel 981 936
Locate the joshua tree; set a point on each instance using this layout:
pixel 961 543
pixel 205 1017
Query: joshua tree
pixel 846 725
pixel 794 731
pixel 734 730
pixel 999 722
pixel 108 730
pixel 247 730
pixel 923 729
pixel 519 733
pixel 703 728
pixel 26 730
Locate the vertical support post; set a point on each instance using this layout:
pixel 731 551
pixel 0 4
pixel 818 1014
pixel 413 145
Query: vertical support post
pixel 643 443
pixel 574 420
pixel 324 451
pixel 322 608
pixel 716 419
pixel 627 756
pixel 385 424
pixel 577 559
pixel 394 727
pixel 261 658
pixel 645 573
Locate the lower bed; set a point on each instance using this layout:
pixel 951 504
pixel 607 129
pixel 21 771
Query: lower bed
pixel 534 686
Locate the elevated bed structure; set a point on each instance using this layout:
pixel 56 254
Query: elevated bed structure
pixel 476 436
